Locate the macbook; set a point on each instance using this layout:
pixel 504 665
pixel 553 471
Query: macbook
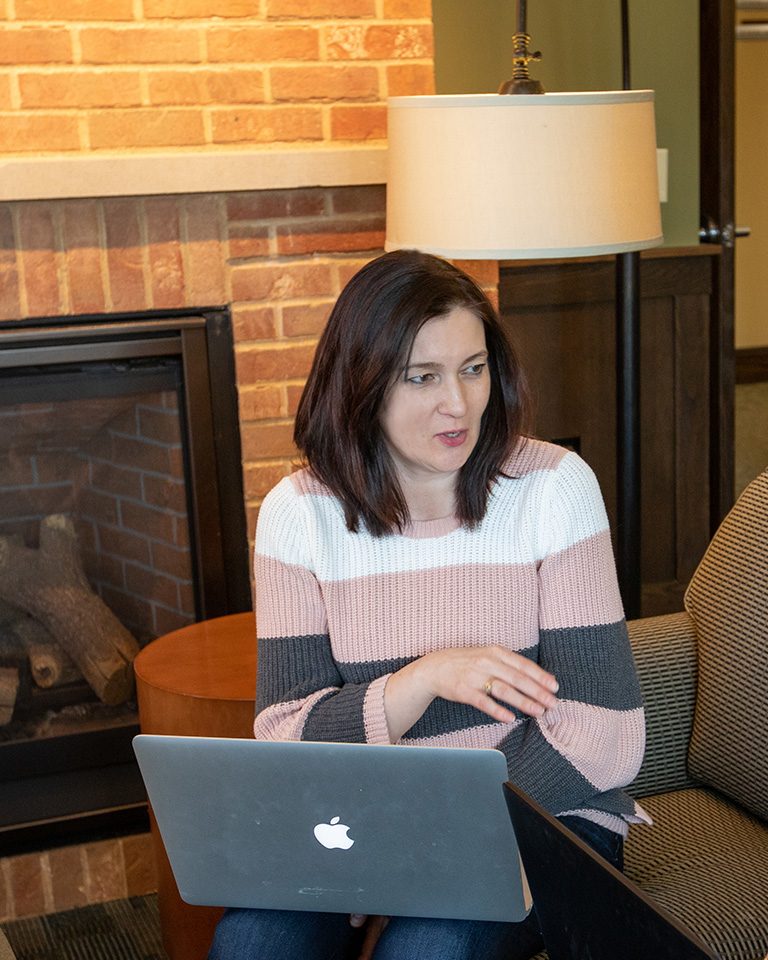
pixel 350 828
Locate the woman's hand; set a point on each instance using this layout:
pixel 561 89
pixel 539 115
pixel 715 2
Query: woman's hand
pixel 374 926
pixel 477 676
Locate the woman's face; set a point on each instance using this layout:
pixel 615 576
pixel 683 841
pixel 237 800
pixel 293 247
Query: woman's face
pixel 431 417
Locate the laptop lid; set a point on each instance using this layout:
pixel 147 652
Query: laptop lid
pixel 348 828
pixel 587 909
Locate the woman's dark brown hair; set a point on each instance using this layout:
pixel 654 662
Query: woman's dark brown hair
pixel 364 347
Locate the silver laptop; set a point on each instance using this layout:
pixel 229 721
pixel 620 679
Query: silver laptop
pixel 341 828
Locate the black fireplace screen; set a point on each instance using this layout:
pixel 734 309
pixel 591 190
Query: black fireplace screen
pixel 121 519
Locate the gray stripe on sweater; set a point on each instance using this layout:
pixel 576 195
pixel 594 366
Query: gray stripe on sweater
pixel 551 780
pixel 593 665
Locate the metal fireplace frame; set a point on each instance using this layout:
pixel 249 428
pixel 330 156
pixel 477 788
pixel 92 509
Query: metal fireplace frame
pixel 85 783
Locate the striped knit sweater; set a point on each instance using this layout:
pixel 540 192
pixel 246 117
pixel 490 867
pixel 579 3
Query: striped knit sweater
pixel 338 612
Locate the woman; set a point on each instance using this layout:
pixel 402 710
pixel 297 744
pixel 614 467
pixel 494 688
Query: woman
pixel 432 577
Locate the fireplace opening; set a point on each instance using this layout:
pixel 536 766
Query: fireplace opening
pixel 121 518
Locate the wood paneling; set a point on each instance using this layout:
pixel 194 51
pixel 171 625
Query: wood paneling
pixel 561 315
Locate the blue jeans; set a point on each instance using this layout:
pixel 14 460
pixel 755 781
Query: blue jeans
pixel 293 935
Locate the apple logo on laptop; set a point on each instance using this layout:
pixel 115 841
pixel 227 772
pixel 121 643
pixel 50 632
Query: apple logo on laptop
pixel 333 835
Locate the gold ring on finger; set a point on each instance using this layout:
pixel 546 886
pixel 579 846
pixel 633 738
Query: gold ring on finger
pixel 488 687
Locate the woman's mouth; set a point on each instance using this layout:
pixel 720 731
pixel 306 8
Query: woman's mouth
pixel 453 438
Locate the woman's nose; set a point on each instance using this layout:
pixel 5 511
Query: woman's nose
pixel 453 401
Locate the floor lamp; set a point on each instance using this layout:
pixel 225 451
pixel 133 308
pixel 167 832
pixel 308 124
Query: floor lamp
pixel 537 175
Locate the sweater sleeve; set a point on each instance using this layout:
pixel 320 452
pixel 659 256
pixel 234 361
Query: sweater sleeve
pixel 300 692
pixel 580 752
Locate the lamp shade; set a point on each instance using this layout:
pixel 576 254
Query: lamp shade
pixel 490 176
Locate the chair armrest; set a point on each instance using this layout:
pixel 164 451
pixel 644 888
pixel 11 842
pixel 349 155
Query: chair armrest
pixel 664 649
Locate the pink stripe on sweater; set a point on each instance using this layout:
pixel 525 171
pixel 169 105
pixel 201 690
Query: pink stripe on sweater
pixel 605 746
pixel 288 601
pixel 581 586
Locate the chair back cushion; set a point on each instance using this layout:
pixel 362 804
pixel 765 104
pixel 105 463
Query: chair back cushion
pixel 728 601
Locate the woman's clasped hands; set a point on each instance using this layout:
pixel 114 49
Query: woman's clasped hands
pixel 492 679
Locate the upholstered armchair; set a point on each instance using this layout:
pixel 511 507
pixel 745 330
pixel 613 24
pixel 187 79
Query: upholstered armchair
pixel 704 780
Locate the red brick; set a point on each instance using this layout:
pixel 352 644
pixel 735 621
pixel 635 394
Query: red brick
pixel 165 493
pixel 410 80
pixel 83 256
pixel 265 440
pixel 182 532
pixel 358 123
pixel 274 361
pixel 305 319
pixel 367 199
pixel 124 257
pixel 266 124
pixel 319 9
pixel 140 44
pixel 274 204
pixel 348 268
pixel 5 92
pixel 407 9
pixel 201 8
pixel 168 620
pixel 166 268
pixel 123 544
pixel 281 281
pixel 204 268
pixel 331 235
pixel 87 88
pixel 103 570
pixel 401 42
pixel 251 517
pixel 294 392
pixel 145 127
pixel 263 43
pixel 172 560
pixel 135 612
pixel 74 10
pixel 40 271
pixel 140 868
pixel 27 885
pixel 99 506
pixel 144 456
pixel 378 41
pixel 67 878
pixel 261 477
pixel 35 45
pixel 247 240
pixel 194 87
pixel 38 132
pixel 151 585
pixel 106 871
pixel 10 307
pixel 261 403
pixel 253 323
pixel 162 426
pixel 155 524
pixel 116 480
pixel 326 82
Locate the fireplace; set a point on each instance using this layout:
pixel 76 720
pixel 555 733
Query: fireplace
pixel 121 518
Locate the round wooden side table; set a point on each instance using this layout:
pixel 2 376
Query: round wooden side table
pixel 199 681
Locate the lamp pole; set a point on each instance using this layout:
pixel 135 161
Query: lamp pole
pixel 628 472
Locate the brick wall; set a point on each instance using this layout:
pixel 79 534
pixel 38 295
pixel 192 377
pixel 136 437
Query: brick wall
pixel 278 257
pixel 83 76
pixel 117 465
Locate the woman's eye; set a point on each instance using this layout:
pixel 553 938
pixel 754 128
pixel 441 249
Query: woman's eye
pixel 475 370
pixel 421 378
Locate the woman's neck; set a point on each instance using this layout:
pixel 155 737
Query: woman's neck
pixel 429 498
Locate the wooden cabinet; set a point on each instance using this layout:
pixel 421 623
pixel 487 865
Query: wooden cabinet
pixel 561 316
